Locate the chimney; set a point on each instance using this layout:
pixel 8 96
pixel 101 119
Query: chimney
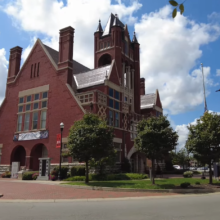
pixel 142 86
pixel 14 63
pixel 66 52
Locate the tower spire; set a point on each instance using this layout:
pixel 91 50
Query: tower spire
pixel 134 40
pixel 99 28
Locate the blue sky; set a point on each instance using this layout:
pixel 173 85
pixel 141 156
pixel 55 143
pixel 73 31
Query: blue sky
pixel 171 50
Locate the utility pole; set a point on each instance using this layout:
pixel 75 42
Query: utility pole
pixel 205 103
pixel 205 108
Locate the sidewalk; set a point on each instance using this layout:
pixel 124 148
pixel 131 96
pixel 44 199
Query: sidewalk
pixel 47 190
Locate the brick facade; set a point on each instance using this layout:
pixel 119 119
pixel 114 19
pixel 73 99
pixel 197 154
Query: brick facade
pixel 46 70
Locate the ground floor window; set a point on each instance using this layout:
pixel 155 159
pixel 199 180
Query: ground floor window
pixel 65 160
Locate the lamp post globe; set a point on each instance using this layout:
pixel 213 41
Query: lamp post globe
pixel 61 131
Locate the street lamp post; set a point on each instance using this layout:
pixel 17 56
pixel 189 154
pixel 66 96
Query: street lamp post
pixel 61 131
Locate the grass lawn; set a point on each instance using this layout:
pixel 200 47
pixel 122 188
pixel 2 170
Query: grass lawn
pixel 142 184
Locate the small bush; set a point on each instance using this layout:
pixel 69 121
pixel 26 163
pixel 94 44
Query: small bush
pixel 184 185
pixel 78 171
pixel 63 171
pixel 197 183
pixel 188 174
pixel 7 174
pixel 34 176
pixel 28 175
pixel 54 172
pixel 53 177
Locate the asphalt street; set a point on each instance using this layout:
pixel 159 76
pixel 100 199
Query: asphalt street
pixel 183 207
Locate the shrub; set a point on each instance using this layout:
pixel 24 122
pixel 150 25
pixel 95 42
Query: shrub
pixel 7 174
pixel 109 177
pixel 197 183
pixel 63 171
pixel 78 178
pixel 54 172
pixel 28 175
pixel 78 171
pixel 53 177
pixel 34 176
pixel 184 185
pixel 196 172
pixel 188 174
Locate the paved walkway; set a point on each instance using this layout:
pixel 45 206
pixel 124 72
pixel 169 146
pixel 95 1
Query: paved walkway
pixel 45 190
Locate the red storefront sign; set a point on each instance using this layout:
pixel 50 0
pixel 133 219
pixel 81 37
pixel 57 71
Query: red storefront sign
pixel 58 141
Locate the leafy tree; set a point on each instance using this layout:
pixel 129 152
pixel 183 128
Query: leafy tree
pixel 181 157
pixel 204 140
pixel 90 138
pixel 102 163
pixel 155 138
pixel 177 5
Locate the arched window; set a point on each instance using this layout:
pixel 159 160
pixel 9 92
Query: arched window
pixel 105 60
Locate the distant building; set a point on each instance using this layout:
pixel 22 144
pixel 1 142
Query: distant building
pixel 51 88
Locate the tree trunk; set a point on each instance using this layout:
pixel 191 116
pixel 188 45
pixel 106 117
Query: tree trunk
pixel 210 173
pixel 87 172
pixel 153 182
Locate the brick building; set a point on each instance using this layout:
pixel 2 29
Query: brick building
pixel 51 88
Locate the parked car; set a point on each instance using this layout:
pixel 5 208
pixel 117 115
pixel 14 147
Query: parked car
pixel 178 167
pixel 192 168
pixel 202 169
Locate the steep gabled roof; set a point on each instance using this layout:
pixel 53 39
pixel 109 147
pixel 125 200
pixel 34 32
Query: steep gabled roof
pixel 112 21
pixel 77 67
pixel 93 77
pixel 148 100
pixel 151 100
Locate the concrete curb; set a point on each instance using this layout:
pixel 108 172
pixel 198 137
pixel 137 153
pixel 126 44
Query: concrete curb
pixel 180 191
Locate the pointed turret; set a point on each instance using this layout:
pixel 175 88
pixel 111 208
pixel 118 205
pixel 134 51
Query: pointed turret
pixel 99 28
pixel 134 40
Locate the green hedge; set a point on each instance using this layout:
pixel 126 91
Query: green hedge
pixel 7 174
pixel 28 175
pixel 63 171
pixel 109 177
pixel 78 171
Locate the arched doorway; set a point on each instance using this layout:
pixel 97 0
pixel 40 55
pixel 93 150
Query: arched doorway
pixel 137 161
pixel 18 155
pixel 104 60
pixel 38 151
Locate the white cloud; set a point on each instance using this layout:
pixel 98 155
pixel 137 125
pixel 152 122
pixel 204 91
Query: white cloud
pixel 3 73
pixel 170 49
pixel 183 132
pixel 218 72
pixel 49 16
